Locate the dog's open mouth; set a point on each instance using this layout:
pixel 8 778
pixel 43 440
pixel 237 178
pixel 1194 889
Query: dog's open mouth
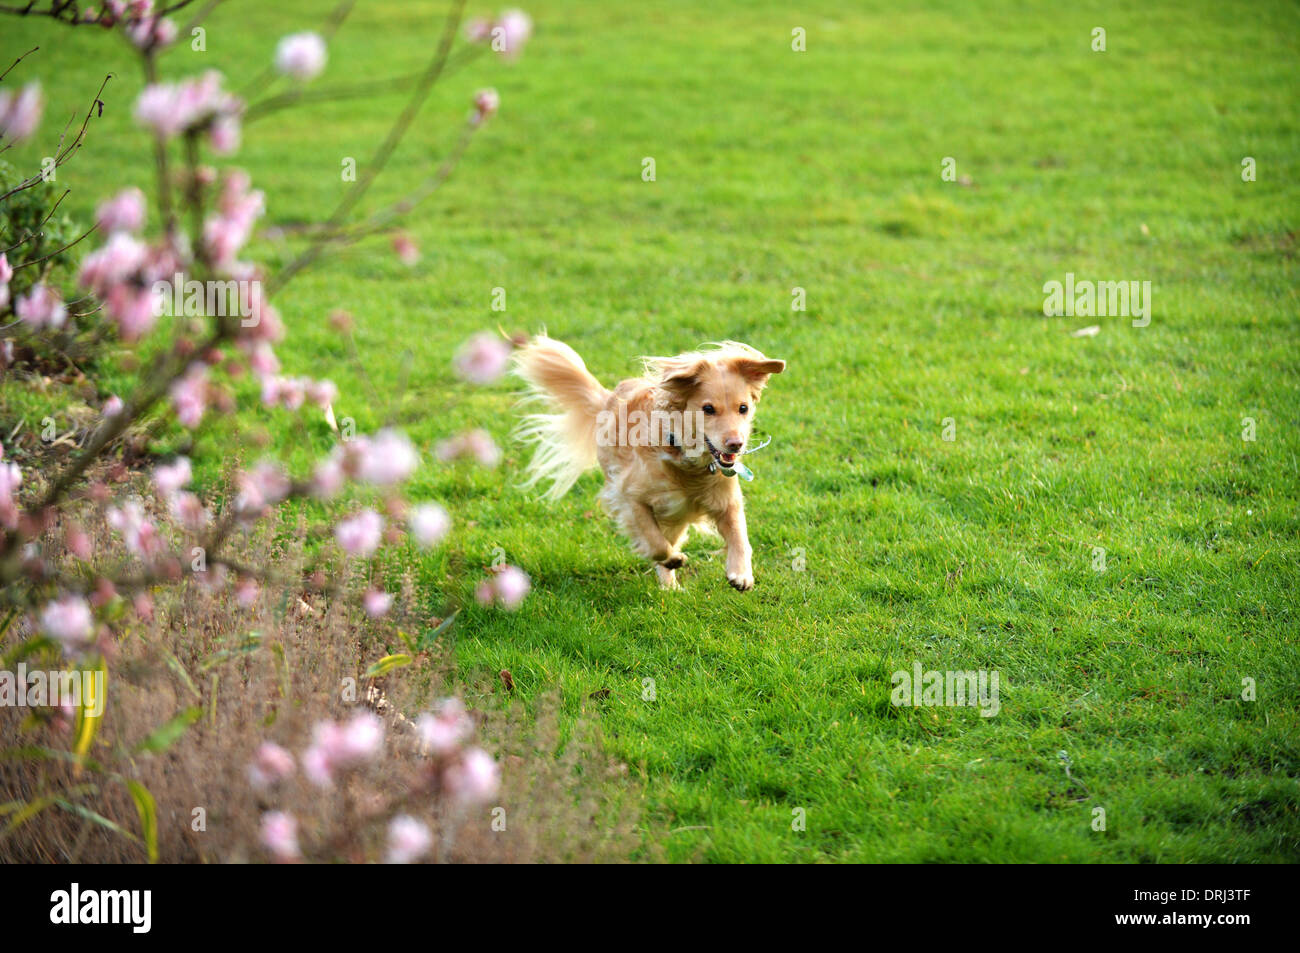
pixel 724 459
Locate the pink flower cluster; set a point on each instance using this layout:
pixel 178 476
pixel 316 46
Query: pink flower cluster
pixel 42 307
pixel 386 459
pixel 507 34
pixel 360 535
pixel 507 588
pixel 486 103
pixel 483 358
pixel 226 232
pixel 280 835
pixel 429 524
pixel 69 622
pixel 339 747
pixel 124 270
pixel 469 775
pixel 11 477
pixel 301 56
pixel 476 444
pixel 192 105
pixel 6 274
pixel 137 531
pixel 20 112
pixel 186 509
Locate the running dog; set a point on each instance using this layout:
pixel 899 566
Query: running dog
pixel 669 443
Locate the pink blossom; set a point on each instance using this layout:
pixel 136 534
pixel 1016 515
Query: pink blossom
pixel 443 733
pixel 322 393
pixel 224 134
pixel 506 588
pixel 68 621
pixel 474 778
pixel 301 56
pixel 486 103
pixel 135 310
pixel 408 840
pixel 478 29
pixel 151 32
pixel 408 253
pixel 171 477
pixel 483 358
pixel 512 585
pixel 271 764
pixel 429 524
pixel 120 258
pixel 262 360
pixel 139 534
pixel 189 395
pixel 477 444
pixel 327 478
pixel 265 485
pixel 286 392
pixel 377 603
pixel 280 835
pixel 226 232
pixel 188 510
pixel 42 307
pixel 316 766
pixel 20 112
pixel 169 109
pixel 247 591
pixel 113 406
pixel 359 536
pixel 143 605
pixel 387 458
pixel 336 747
pixel 511 32
pixel 124 212
pixel 10 478
pixel 78 542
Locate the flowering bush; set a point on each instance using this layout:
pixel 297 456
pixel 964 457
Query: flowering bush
pixel 85 549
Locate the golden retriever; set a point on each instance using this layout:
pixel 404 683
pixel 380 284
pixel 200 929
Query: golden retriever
pixel 669 443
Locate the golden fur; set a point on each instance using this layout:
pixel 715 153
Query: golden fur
pixel 655 491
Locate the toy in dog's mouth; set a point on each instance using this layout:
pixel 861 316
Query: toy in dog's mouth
pixel 729 463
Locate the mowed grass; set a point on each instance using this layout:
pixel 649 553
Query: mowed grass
pixel 877 543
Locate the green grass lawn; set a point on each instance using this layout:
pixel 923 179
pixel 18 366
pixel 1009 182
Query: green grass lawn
pixel 878 544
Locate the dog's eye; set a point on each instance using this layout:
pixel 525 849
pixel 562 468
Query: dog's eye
pixel 744 408
pixel 708 409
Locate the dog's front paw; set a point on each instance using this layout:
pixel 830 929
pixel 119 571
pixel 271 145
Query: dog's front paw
pixel 742 581
pixel 674 561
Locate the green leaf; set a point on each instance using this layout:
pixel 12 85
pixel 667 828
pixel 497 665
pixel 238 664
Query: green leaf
pixel 165 735
pixel 387 664
pixel 148 810
pixel 251 643
pixel 429 638
pixel 25 650
pixel 82 811
pixel 175 665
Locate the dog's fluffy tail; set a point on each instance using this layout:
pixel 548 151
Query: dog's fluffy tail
pixel 566 438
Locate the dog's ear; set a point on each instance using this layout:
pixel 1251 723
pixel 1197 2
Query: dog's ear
pixel 757 370
pixel 681 375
